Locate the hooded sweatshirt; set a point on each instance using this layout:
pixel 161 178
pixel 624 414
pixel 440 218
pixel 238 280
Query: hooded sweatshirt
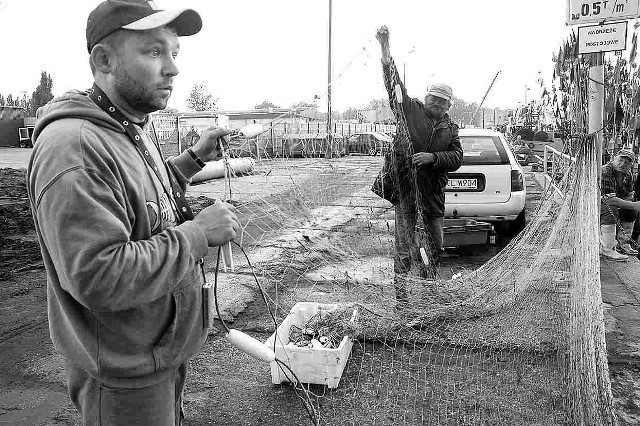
pixel 124 294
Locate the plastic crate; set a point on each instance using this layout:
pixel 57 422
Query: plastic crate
pixel 465 232
pixel 321 366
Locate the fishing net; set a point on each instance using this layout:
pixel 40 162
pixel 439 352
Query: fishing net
pixel 519 339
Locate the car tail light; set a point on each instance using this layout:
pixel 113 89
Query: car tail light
pixel 517 181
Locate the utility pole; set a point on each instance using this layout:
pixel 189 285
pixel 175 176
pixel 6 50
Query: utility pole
pixel 328 153
pixel 596 103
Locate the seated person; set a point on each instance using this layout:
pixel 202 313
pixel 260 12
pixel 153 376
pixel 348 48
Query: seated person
pixel 618 211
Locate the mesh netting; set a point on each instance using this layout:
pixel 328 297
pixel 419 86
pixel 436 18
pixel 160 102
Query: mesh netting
pixel 519 340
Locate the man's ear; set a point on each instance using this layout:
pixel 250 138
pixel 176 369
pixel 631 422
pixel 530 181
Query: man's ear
pixel 103 58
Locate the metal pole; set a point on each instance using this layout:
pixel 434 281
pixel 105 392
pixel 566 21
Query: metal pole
pixel 483 98
pixel 596 103
pixel 329 150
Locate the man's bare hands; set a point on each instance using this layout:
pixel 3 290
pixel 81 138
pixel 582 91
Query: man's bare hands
pixel 208 147
pixel 219 223
pixel 382 35
pixel 423 158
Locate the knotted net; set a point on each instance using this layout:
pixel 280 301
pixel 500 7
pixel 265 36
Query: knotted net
pixel 518 340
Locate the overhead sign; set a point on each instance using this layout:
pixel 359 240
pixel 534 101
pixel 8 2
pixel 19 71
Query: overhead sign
pixel 602 38
pixel 585 11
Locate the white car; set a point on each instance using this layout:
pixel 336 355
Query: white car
pixel 490 185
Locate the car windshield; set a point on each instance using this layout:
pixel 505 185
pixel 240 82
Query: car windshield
pixel 483 150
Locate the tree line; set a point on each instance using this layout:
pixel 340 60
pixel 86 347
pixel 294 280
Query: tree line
pixel 200 99
pixel 42 94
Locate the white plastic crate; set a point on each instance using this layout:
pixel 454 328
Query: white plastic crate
pixel 322 366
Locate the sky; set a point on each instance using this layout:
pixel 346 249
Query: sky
pixel 250 51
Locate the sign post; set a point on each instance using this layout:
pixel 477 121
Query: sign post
pixel 594 40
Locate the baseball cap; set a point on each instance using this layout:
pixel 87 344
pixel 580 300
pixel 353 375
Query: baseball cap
pixel 624 152
pixel 137 15
pixel 441 90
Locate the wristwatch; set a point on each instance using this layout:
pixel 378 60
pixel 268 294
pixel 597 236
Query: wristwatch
pixel 197 159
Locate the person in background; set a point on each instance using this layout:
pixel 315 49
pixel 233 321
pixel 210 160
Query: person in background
pixel 435 150
pixel 122 249
pixel 618 211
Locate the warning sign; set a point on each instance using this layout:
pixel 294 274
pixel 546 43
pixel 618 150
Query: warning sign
pixel 602 38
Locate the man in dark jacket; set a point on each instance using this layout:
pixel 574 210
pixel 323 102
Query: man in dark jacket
pixel 426 147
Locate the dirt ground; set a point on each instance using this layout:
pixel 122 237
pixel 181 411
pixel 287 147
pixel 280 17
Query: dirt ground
pixel 225 387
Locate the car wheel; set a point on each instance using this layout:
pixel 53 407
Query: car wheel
pixel 372 151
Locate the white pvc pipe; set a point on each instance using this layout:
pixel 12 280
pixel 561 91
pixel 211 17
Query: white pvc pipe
pixel 215 169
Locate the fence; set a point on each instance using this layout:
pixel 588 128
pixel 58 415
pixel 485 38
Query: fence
pixel 554 165
pixel 280 139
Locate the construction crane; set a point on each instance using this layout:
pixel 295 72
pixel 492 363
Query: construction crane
pixel 473 117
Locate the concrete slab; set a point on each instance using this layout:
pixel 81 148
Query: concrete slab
pixel 620 283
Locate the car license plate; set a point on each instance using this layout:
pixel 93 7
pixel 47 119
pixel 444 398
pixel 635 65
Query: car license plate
pixel 462 184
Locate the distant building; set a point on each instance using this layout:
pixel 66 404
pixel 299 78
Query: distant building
pixel 16 128
pixel 270 116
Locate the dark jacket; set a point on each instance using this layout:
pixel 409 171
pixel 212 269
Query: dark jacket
pixel 440 138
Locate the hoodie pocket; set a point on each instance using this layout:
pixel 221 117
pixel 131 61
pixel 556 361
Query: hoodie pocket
pixel 184 334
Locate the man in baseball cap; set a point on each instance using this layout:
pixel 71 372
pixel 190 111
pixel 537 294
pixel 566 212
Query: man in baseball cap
pixel 618 210
pixel 441 91
pixel 122 249
pixel 435 151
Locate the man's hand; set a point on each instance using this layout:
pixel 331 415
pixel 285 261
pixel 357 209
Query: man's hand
pixel 423 158
pixel 382 35
pixel 208 147
pixel 219 223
